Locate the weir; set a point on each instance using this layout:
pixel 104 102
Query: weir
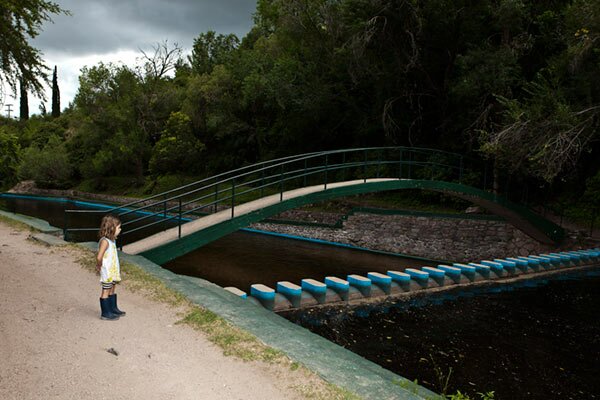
pixel 378 286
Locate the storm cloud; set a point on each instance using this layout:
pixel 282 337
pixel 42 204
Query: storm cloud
pixel 114 31
pixel 102 26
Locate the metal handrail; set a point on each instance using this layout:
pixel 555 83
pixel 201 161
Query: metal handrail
pixel 275 174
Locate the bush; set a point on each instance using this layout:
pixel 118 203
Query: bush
pixel 48 167
pixel 178 150
pixel 9 157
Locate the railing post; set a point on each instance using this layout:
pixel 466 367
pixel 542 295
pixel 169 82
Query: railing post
pixel 66 226
pixel 281 184
pixel 262 181
pixel 305 162
pixel 432 164
pixel 365 167
pixel 165 207
pixel 344 164
pixel 326 165
pixel 400 166
pixel 378 163
pixel 460 171
pixel 179 224
pixel 410 159
pixel 485 169
pixel 216 197
pixel 232 197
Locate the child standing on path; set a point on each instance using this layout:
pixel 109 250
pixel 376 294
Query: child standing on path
pixel 107 263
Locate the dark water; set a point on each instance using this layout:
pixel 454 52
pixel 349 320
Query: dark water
pixel 241 259
pixel 53 212
pixel 526 342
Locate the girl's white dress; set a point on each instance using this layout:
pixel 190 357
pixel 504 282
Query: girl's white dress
pixel 111 269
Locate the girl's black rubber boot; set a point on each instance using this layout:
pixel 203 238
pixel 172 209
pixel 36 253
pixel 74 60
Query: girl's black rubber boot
pixel 113 306
pixel 106 310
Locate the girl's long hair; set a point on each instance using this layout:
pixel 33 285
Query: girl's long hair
pixel 108 227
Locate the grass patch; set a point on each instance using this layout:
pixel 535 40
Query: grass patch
pixel 232 340
pixel 16 224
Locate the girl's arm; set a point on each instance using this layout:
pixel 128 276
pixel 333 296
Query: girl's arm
pixel 101 250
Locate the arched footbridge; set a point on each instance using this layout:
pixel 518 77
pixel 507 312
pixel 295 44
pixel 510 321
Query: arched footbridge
pixel 198 213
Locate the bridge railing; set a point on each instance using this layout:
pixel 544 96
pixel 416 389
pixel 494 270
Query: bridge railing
pixel 230 189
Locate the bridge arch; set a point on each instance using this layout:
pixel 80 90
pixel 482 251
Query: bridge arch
pixel 170 247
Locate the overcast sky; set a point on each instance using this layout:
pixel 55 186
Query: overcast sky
pixel 115 30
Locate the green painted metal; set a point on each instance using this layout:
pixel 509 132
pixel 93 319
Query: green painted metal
pixel 537 227
pixel 427 169
pixel 233 187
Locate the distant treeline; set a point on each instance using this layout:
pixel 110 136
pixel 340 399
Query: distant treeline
pixel 514 81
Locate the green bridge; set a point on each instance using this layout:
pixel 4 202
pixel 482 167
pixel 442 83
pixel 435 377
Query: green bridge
pixel 211 208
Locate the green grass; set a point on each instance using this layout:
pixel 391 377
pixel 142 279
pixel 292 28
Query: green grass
pixel 16 224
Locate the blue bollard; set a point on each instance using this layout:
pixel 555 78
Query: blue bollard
pixel 362 284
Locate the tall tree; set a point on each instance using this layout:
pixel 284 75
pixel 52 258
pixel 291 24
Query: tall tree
pixel 24 107
pixel 21 21
pixel 211 49
pixel 55 95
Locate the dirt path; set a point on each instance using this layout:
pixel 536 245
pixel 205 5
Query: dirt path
pixel 54 346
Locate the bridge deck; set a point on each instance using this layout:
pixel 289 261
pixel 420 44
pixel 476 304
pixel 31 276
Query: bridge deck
pixel 188 228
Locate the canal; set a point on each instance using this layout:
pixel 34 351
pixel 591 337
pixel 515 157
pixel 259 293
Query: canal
pixel 538 339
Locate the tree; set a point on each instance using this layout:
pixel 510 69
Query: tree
pixel 177 150
pixel 21 21
pixel 55 95
pixel 9 156
pixel 164 60
pixel 24 103
pixel 211 49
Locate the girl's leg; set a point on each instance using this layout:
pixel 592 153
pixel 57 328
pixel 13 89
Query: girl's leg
pixel 107 288
pixel 105 303
pixel 112 289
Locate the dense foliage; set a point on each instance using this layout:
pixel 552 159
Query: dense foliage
pixel 19 61
pixel 513 81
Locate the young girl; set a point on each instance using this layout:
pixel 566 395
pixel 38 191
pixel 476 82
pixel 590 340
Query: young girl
pixel 107 263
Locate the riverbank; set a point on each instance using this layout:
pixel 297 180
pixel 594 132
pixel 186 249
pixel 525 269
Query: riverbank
pixel 55 346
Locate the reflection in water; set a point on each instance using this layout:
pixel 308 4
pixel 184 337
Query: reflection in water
pixel 244 258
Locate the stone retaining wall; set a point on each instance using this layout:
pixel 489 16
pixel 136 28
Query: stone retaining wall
pixel 452 239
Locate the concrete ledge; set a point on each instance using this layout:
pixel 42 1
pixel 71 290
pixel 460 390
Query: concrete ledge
pixel 50 240
pixel 35 223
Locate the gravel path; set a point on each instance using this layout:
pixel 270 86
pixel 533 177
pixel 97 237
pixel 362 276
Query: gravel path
pixel 53 344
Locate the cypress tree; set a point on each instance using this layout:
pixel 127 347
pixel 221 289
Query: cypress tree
pixel 55 95
pixel 24 107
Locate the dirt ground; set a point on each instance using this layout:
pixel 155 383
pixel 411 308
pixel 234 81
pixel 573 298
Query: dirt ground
pixel 53 344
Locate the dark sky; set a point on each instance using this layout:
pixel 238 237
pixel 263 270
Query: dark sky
pixel 104 26
pixel 116 30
